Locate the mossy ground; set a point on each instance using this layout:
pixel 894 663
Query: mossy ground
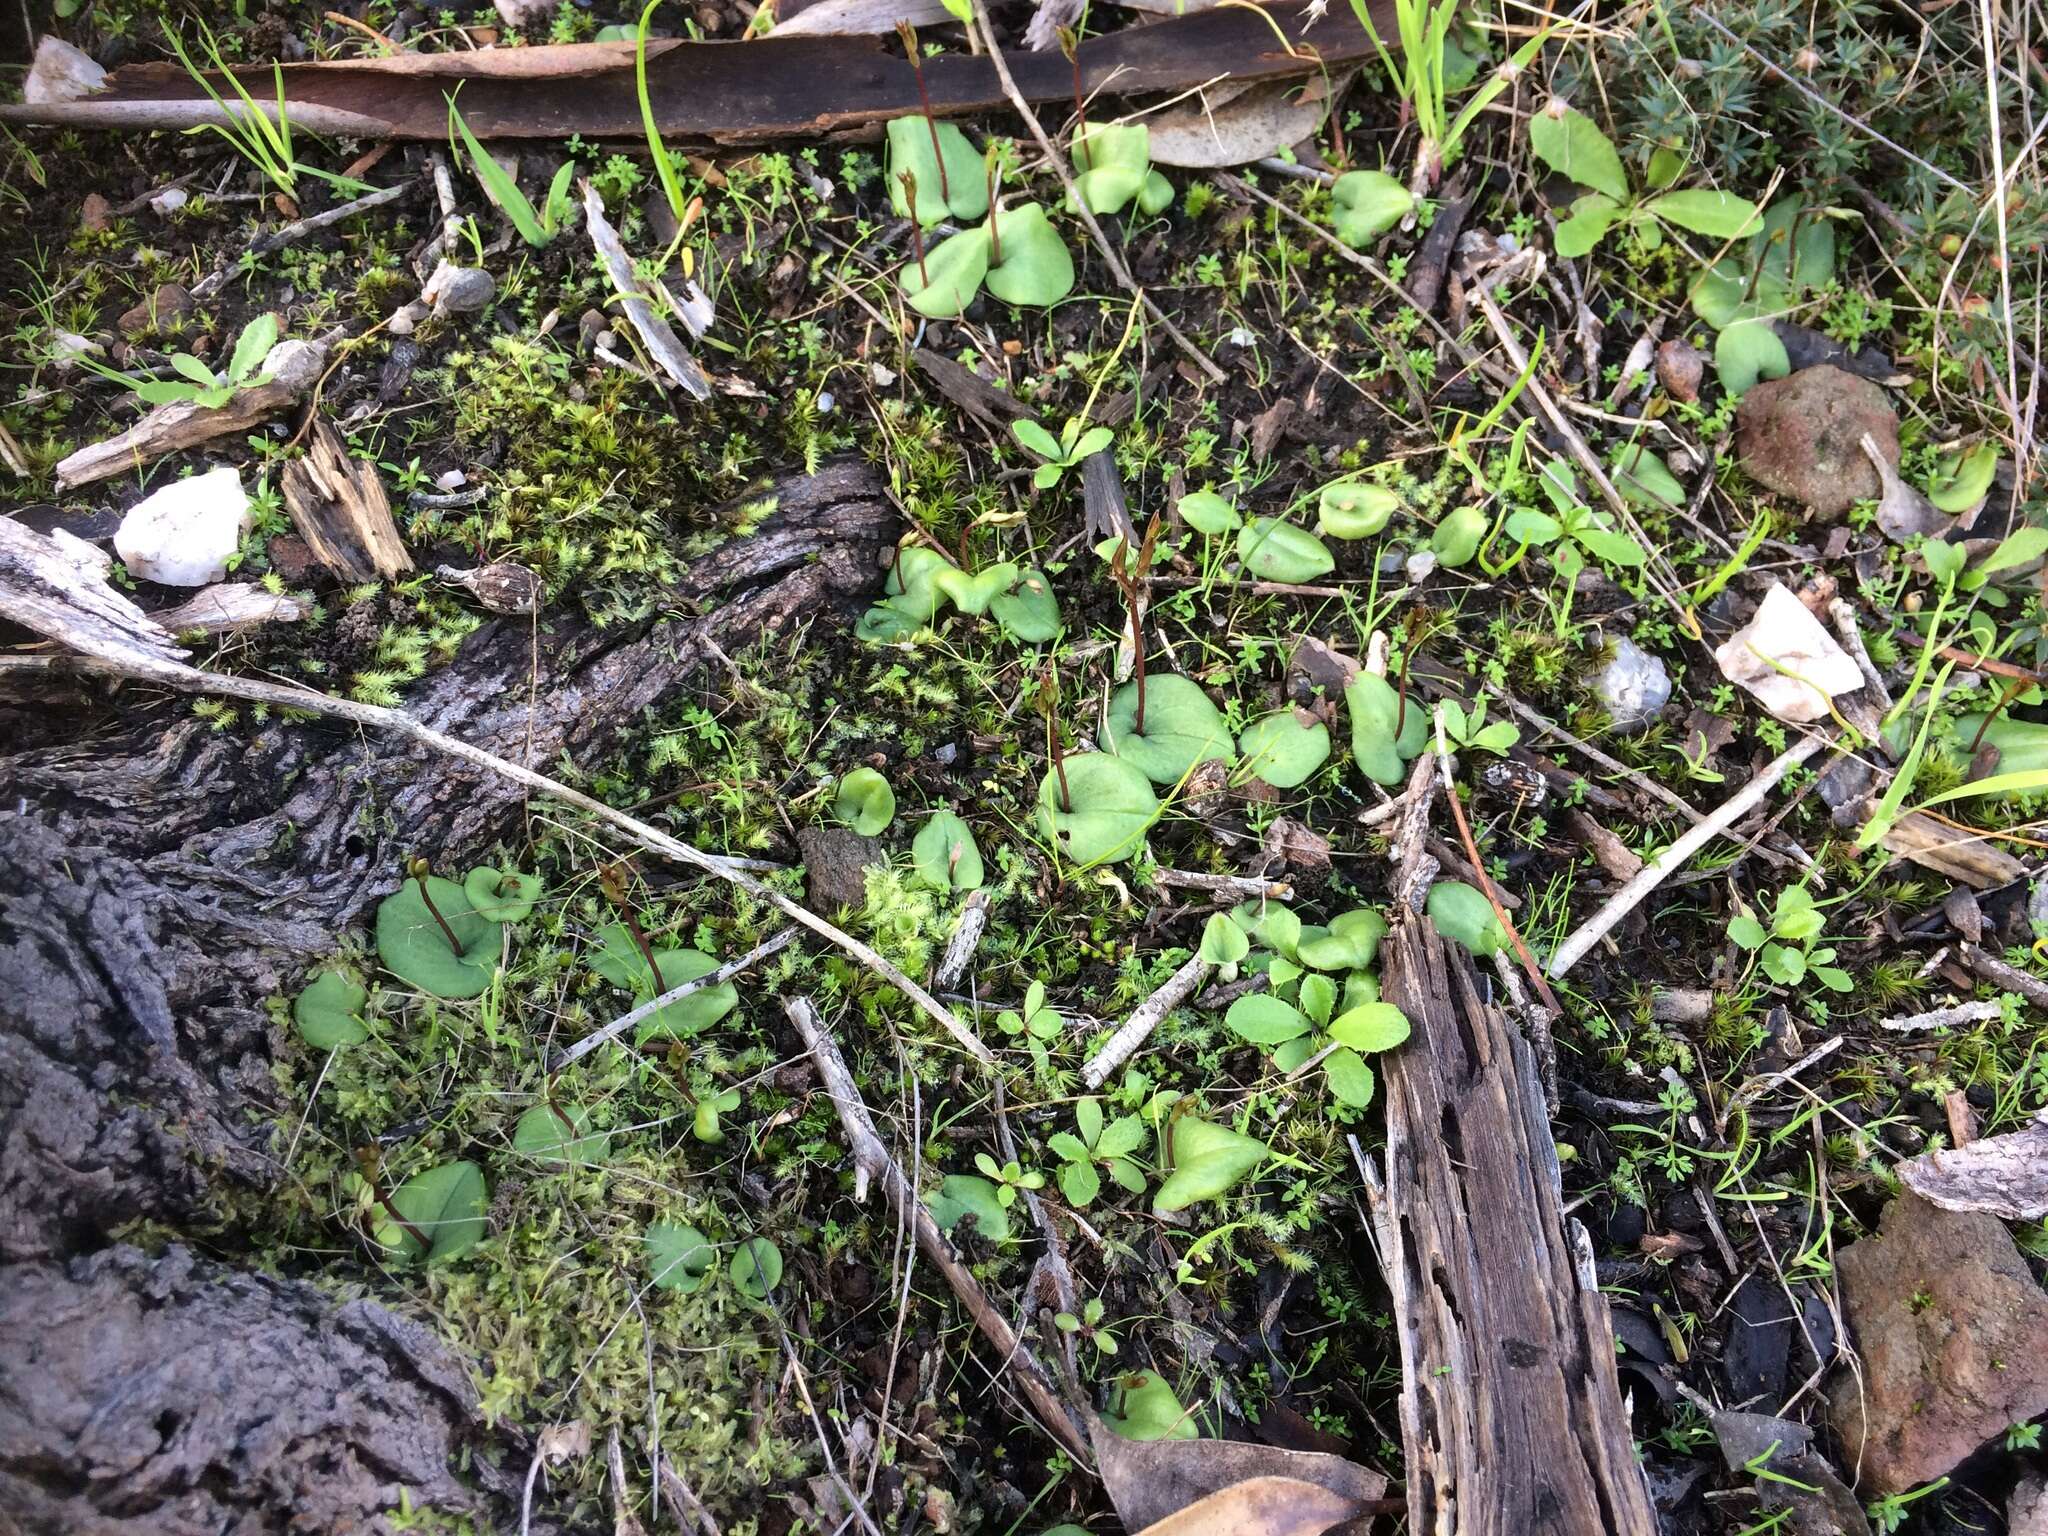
pixel 1269 1309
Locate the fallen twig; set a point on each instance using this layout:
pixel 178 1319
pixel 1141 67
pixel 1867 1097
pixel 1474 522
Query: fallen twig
pixel 1730 811
pixel 278 239
pixel 625 1021
pixel 662 343
pixel 1233 887
pixel 191 680
pixel 1749 1093
pixel 684 1498
pixel 872 1161
pixel 1942 1018
pixel 1986 966
pixel 965 941
pixel 1123 1045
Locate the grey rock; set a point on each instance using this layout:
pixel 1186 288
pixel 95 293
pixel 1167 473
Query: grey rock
pixel 296 364
pixel 461 290
pixel 1633 687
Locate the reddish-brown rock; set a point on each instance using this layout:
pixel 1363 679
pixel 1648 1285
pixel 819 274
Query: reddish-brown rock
pixel 1802 436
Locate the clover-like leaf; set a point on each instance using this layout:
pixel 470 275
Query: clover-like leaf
pixel 1208 1160
pixel 1384 735
pixel 501 895
pixel 554 1133
pixel 415 948
pixel 961 192
pixel 946 855
pixel 949 278
pixel 1285 748
pixel 1366 204
pixel 1370 1027
pixel 1571 143
pixel 1280 551
pixel 865 802
pixel 1036 267
pixel 1182 728
pixel 1111 807
pixel 1209 514
pixel 444 1205
pixel 755 1268
pixel 1353 509
pixel 1147 1409
pixel 329 1012
pixel 679 1256
pixel 1462 914
pixel 963 1195
pixel 1350 942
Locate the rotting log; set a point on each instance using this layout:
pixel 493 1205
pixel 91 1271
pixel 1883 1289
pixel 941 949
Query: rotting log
pixel 1511 1415
pixel 159 879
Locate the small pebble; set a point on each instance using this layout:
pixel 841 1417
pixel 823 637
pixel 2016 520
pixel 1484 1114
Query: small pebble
pixel 1633 687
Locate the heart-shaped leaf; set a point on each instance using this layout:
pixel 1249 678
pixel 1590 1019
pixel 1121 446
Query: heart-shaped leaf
pixel 1747 351
pixel 1182 728
pixel 1108 190
pixel 755 1268
pixel 1279 551
pixel 1350 942
pixel 961 1195
pixel 1112 165
pixel 1036 267
pixel 1366 204
pixel 950 276
pixel 1462 914
pixel 1283 749
pixel 1265 1020
pixel 1223 942
pixel 973 594
pixel 1207 1161
pixel 1384 736
pixel 501 895
pixel 961 192
pixel 1571 143
pixel 1352 509
pixel 945 854
pixel 1156 195
pixel 1028 612
pixel 445 1205
pixel 1208 513
pixel 552 1133
pixel 865 802
pixel 1350 1079
pixel 619 961
pixel 680 1256
pixel 1147 1409
pixel 1370 1027
pixel 414 947
pixel 329 1012
pixel 1111 808
pixel 1645 479
pixel 1457 538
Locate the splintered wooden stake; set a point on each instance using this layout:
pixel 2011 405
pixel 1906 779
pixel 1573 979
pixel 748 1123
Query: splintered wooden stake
pixel 339 507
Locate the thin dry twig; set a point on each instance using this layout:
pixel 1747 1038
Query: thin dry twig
pixel 625 1021
pixel 278 239
pixel 965 941
pixel 1137 1029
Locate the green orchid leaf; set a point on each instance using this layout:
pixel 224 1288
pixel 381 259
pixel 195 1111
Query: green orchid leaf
pixel 1462 914
pixel 1747 351
pixel 1264 1020
pixel 961 193
pixel 912 585
pixel 1283 749
pixel 1718 215
pixel 1036 268
pixel 551 1133
pixel 950 276
pixel 679 1256
pixel 1366 204
pixel 963 1195
pixel 619 961
pixel 1571 143
pixel 1223 942
pixel 1645 479
pixel 445 1205
pixel 973 594
pixel 1156 195
pixel 1279 551
pixel 1112 807
pixel 755 1268
pixel 1963 479
pixel 1384 736
pixel 1350 942
pixel 1208 1160
pixel 946 855
pixel 1112 146
pixel 329 1012
pixel 1457 538
pixel 1209 514
pixel 1108 190
pixel 1350 1079
pixel 865 802
pixel 1591 217
pixel 1080 1183
pixel 1182 728
pixel 501 895
pixel 1352 509
pixel 1028 612
pixel 704 1119
pixel 1370 1027
pixel 415 948
pixel 1147 1409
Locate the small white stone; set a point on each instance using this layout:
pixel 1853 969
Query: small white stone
pixel 451 480
pixel 66 347
pixel 185 534
pixel 1786 660
pixel 169 201
pixel 1421 564
pixel 296 364
pixel 882 374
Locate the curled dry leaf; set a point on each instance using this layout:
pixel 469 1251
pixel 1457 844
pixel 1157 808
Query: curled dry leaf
pixel 1239 124
pixel 1153 1481
pixel 1902 512
pixel 1786 660
pixel 1264 1506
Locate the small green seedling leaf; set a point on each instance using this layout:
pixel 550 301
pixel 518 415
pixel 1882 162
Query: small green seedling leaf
pixel 1182 728
pixel 679 1256
pixel 1028 612
pixel 1223 942
pixel 755 1268
pixel 961 1195
pixel 414 948
pixel 445 1205
pixel 865 802
pixel 501 895
pixel 1366 204
pixel 946 855
pixel 1284 749
pixel 1208 1160
pixel 1463 914
pixel 1112 808
pixel 552 1133
pixel 1645 479
pixel 1147 1409
pixel 704 1119
pixel 1349 944
pixel 1384 737
pixel 1279 551
pixel 1457 538
pixel 1571 143
pixel 251 347
pixel 1352 509
pixel 329 1012
pixel 1209 514
pixel 1963 479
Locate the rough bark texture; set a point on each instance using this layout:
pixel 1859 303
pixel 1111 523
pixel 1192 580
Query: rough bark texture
pixel 1510 1411
pixel 158 880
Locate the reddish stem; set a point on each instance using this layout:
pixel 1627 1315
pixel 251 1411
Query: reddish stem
pixel 368 1164
pixel 916 234
pixel 995 235
pixel 909 35
pixel 419 875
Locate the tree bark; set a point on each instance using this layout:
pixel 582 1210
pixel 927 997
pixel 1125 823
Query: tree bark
pixel 1511 1415
pixel 159 879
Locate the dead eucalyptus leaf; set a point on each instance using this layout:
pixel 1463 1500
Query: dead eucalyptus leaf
pixel 1264 1506
pixel 1902 512
pixel 1150 1480
pixel 1221 128
pixel 1964 856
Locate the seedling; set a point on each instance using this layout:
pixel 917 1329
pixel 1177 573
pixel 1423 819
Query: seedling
pixel 1472 731
pixel 1010 1179
pixel 430 1218
pixel 1354 509
pixel 1113 169
pixel 1786 949
pixel 1304 1033
pixel 1088 1325
pixel 1889 1512
pixel 1095 1147
pixel 1420 79
pixel 1366 204
pixel 1571 143
pixel 1062 453
pixel 865 802
pixel 1034 1024
pixel 536 226
pixel 197 383
pixel 258 136
pixel 946 855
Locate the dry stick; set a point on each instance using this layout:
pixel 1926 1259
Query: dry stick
pixel 684 1497
pixel 872 1161
pixel 966 940
pixel 1237 887
pixel 1941 1018
pixel 191 680
pixel 277 239
pixel 675 994
pixel 1123 1045
pixel 1109 256
pixel 1730 811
